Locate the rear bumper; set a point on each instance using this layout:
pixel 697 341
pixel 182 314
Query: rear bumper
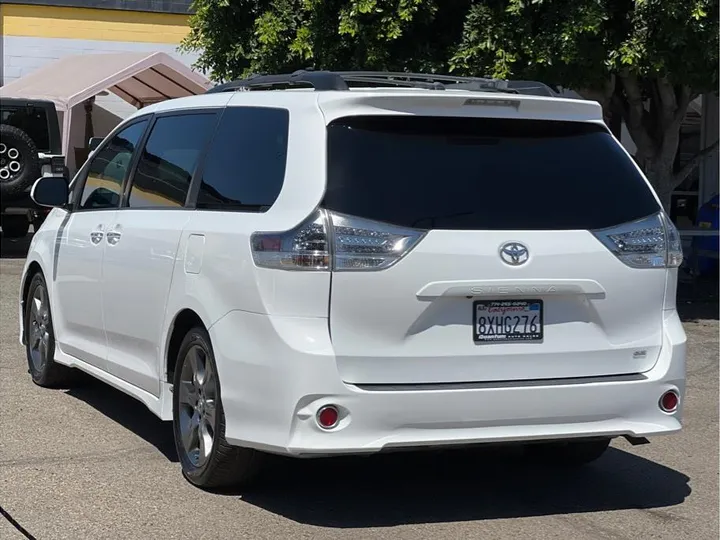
pixel 276 372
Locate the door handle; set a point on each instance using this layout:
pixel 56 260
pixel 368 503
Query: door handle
pixel 113 237
pixel 96 236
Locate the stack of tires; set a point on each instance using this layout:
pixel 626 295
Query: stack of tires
pixel 19 168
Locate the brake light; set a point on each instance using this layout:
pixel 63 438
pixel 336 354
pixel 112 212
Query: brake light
pixel 652 242
pixel 303 248
pixel 331 241
pixel 362 244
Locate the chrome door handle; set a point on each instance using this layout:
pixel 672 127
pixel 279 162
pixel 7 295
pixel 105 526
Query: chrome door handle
pixel 113 237
pixel 96 236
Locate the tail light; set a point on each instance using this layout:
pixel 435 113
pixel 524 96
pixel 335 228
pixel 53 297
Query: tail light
pixel 652 242
pixel 305 247
pixel 331 241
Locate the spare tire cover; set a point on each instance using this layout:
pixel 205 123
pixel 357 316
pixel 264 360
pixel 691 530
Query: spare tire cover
pixel 19 161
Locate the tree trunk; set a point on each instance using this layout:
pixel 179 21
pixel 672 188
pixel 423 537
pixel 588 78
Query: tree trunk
pixel 614 118
pixel 659 171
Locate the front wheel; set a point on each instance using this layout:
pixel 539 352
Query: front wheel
pixel 207 460
pixel 40 339
pixel 568 453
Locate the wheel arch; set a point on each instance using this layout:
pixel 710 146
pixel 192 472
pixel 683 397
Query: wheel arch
pixel 183 321
pixel 33 267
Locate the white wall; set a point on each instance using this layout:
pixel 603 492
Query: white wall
pixel 22 55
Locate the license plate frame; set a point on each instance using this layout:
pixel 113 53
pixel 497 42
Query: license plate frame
pixel 491 330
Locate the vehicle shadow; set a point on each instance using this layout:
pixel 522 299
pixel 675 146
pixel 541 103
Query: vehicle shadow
pixel 14 248
pixel 384 490
pixel 698 300
pixel 129 413
pixel 458 485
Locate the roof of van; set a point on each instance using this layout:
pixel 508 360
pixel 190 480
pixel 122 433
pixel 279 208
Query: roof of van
pixel 356 101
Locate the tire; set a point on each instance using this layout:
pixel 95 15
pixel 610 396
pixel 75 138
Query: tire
pixel 14 226
pixel 195 398
pixel 40 336
pixel 17 149
pixel 568 453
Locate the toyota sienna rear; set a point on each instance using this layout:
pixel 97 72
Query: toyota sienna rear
pixel 342 270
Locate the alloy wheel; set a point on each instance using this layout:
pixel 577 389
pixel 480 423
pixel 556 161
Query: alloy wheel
pixel 39 340
pixel 198 405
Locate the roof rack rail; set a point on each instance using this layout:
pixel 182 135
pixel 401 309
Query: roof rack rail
pixel 532 88
pixel 400 78
pixel 339 80
pixel 319 80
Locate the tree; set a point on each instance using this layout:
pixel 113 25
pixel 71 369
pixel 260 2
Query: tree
pixel 238 37
pixel 643 60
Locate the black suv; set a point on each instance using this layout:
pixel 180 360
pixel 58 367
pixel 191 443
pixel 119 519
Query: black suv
pixel 30 147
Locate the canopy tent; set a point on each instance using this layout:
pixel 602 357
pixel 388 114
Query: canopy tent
pixel 138 78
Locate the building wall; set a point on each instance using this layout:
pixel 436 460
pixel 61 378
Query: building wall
pixel 37 32
pixel 22 55
pixel 93 24
pixel 34 35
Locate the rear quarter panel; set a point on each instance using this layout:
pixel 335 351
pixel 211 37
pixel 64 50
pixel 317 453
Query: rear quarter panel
pixel 214 272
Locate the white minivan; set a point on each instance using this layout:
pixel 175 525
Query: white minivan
pixel 321 263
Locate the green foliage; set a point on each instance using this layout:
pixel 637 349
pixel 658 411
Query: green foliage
pixel 576 43
pixel 237 37
pixel 623 53
pixel 579 43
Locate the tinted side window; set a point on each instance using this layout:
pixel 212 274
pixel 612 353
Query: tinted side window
pixel 167 163
pixel 107 170
pixel 245 166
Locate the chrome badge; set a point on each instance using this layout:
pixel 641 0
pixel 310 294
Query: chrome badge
pixel 514 253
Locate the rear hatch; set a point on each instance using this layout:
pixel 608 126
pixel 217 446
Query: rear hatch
pixel 530 249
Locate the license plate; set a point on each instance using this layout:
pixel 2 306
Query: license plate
pixel 507 320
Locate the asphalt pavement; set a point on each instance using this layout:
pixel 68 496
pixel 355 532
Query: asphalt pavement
pixel 91 463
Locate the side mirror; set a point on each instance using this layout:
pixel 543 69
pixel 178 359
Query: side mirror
pixel 50 191
pixel 94 142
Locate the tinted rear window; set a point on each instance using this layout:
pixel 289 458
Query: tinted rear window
pixel 472 174
pixel 32 120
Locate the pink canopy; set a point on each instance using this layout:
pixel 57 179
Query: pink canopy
pixel 138 78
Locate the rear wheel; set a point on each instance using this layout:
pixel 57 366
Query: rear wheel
pixel 568 453
pixel 207 460
pixel 40 339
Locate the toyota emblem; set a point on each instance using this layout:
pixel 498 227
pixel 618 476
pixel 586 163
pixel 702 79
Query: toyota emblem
pixel 514 253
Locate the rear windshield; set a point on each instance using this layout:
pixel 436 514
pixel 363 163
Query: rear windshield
pixel 32 120
pixel 480 173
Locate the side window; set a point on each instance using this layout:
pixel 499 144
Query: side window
pixel 245 166
pixel 108 169
pixel 167 163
